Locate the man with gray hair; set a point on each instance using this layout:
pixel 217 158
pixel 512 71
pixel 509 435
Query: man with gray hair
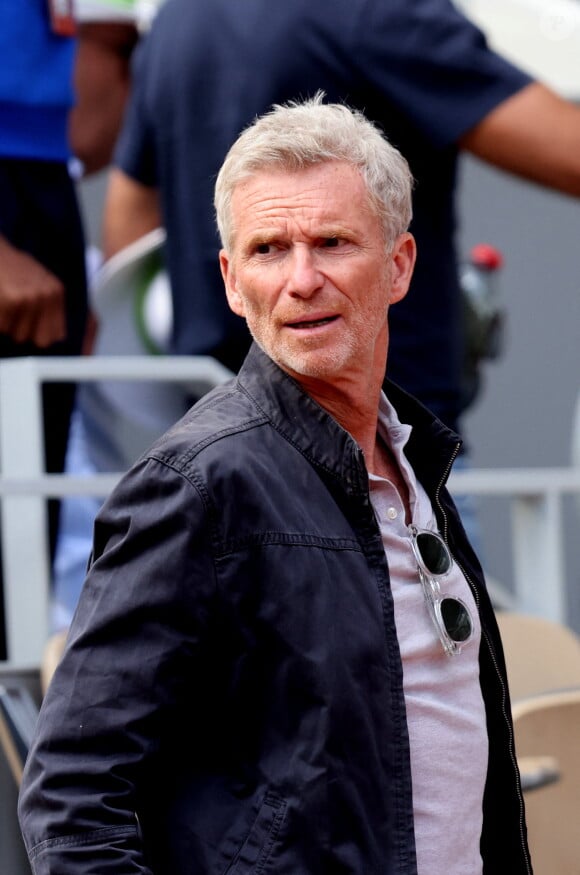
pixel 284 658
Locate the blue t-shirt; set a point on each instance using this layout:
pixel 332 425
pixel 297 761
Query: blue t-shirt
pixel 418 68
pixel 35 83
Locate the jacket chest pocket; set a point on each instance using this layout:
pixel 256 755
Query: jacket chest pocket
pixel 256 849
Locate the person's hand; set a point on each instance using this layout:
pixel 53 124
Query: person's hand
pixel 31 299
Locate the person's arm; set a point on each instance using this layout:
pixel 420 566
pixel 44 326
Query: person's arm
pixel 102 80
pixel 534 134
pixel 131 210
pixel 126 682
pixel 31 299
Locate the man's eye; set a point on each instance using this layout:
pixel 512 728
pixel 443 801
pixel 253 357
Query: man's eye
pixel 330 242
pixel 264 248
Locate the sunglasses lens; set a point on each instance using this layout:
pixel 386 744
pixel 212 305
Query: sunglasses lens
pixel 456 619
pixel 433 552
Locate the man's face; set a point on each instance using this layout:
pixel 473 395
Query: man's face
pixel 309 271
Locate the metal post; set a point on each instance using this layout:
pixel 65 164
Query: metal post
pixel 538 552
pixel 24 532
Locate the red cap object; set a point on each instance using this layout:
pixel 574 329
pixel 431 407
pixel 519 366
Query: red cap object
pixel 486 256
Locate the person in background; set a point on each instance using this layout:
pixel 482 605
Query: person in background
pixel 284 656
pixel 107 34
pixel 43 299
pixel 420 70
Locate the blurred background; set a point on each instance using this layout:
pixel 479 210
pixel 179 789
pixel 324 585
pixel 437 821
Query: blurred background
pixel 525 414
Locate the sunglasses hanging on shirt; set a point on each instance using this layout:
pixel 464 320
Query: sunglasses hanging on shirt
pixel 450 616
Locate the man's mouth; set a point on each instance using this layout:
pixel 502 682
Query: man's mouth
pixel 313 323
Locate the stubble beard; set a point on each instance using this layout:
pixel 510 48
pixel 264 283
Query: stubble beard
pixel 318 362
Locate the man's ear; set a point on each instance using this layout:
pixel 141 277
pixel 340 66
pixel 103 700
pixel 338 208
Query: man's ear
pixel 403 259
pixel 234 299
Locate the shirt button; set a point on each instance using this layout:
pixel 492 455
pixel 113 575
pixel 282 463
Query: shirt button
pixel 392 513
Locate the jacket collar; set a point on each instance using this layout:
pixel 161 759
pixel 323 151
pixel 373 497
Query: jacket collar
pixel 432 446
pixel 302 421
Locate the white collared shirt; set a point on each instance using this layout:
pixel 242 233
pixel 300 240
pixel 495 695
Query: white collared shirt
pixel 445 709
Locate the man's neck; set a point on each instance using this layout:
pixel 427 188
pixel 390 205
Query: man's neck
pixel 352 398
pixel 357 412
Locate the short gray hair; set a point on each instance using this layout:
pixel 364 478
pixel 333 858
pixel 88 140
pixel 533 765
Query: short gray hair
pixel 300 134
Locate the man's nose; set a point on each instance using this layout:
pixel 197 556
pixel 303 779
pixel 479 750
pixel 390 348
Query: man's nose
pixel 305 277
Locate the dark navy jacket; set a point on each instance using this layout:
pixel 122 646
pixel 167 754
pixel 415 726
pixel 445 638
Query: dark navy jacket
pixel 231 697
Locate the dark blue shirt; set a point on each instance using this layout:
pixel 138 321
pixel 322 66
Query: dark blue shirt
pixel 416 67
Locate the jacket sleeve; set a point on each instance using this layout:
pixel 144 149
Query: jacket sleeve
pixel 131 656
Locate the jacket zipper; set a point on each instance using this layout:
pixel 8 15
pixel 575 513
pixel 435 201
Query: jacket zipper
pixel 475 594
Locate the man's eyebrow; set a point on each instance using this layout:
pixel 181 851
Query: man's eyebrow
pixel 324 232
pixel 259 238
pixel 334 230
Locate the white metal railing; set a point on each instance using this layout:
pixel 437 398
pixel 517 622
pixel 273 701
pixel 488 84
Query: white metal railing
pixel 24 485
pixel 537 531
pixel 535 494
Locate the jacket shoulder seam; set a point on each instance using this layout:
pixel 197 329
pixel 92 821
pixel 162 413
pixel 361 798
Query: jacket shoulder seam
pixel 181 462
pixel 285 436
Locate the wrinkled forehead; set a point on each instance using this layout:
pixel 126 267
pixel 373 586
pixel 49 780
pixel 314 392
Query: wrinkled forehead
pixel 330 192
